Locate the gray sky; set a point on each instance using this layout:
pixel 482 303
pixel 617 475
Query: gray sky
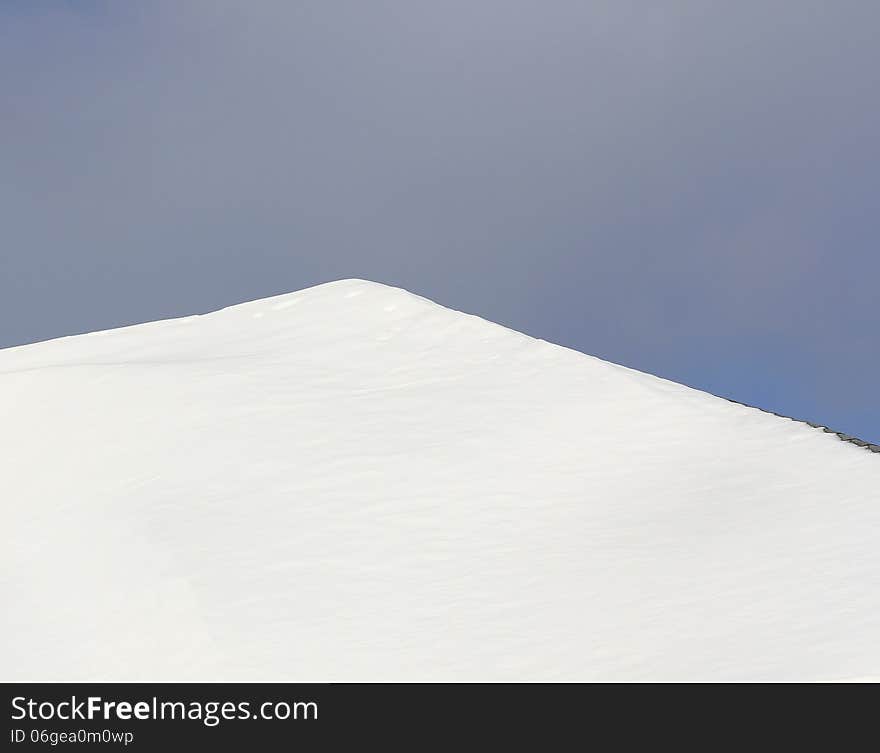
pixel 688 188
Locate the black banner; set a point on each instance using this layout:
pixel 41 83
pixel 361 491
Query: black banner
pixel 197 716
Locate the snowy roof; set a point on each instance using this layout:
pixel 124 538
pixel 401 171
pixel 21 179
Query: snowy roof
pixel 352 482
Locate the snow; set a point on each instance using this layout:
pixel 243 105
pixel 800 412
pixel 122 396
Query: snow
pixel 351 482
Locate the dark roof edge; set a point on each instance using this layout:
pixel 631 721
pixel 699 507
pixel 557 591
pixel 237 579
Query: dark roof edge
pixel 840 435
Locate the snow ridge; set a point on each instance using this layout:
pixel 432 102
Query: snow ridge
pixel 351 482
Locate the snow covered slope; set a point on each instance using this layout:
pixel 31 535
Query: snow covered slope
pixel 351 482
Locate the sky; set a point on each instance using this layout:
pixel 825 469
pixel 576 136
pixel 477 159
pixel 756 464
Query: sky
pixel 686 188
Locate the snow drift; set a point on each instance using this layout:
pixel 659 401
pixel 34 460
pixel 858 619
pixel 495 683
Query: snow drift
pixel 353 483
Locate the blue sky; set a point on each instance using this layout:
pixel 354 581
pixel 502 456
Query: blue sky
pixel 690 189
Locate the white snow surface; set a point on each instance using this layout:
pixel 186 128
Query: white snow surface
pixel 351 482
